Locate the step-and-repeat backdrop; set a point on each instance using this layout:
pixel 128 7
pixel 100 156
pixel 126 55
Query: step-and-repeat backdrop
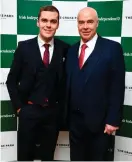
pixel 18 22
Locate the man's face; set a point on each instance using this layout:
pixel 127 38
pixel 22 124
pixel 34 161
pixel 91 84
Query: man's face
pixel 48 24
pixel 87 25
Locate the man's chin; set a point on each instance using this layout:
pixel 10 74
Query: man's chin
pixel 85 39
pixel 47 37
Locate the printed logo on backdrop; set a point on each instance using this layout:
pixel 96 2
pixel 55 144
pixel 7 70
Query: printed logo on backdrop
pixel 128 89
pixel 68 16
pixel 127 19
pixel 127 54
pixel 8 17
pixel 2 83
pixel 62 151
pixel 7 51
pixel 129 153
pixel 110 17
pixel 127 121
pixel 105 19
pixel 6 20
pixel 7 146
pixel 127 48
pixel 8 46
pixel 123 149
pixel 62 145
pixel 8 117
pixel 27 15
pixel 126 126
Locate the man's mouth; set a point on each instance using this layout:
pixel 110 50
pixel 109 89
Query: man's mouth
pixel 48 31
pixel 86 33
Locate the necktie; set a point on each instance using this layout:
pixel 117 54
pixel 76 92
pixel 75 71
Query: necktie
pixel 46 55
pixel 82 54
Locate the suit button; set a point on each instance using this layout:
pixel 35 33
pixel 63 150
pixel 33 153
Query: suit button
pixel 78 109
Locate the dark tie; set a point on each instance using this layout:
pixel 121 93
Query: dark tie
pixel 46 55
pixel 82 54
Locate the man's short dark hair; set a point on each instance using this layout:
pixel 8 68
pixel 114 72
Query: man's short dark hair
pixel 48 8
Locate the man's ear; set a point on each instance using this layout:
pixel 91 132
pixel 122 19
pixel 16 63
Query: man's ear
pixel 37 23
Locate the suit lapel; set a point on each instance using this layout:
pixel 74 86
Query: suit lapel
pixel 56 54
pixel 57 59
pixel 36 50
pixel 75 63
pixel 93 59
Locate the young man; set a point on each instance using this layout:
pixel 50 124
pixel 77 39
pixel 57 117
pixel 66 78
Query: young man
pixel 34 85
pixel 95 89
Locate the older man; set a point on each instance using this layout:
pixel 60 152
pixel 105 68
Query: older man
pixel 95 89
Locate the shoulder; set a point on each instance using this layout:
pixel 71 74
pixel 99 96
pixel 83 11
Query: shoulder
pixel 114 48
pixel 110 43
pixel 27 42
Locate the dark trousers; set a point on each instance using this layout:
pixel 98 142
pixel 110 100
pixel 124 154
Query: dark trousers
pixel 37 125
pixel 84 144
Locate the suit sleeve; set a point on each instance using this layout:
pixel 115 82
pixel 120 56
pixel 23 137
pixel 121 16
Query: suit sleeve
pixel 116 87
pixel 13 78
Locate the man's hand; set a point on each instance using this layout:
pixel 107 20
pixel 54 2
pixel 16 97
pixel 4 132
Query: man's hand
pixel 109 129
pixel 18 110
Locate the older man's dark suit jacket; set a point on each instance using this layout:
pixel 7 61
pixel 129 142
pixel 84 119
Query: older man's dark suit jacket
pixel 97 90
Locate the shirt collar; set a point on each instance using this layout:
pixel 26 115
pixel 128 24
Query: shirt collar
pixel 42 42
pixel 91 42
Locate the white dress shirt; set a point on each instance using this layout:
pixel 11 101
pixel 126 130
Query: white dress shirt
pixel 90 47
pixel 42 48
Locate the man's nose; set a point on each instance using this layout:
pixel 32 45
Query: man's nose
pixel 85 25
pixel 48 24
